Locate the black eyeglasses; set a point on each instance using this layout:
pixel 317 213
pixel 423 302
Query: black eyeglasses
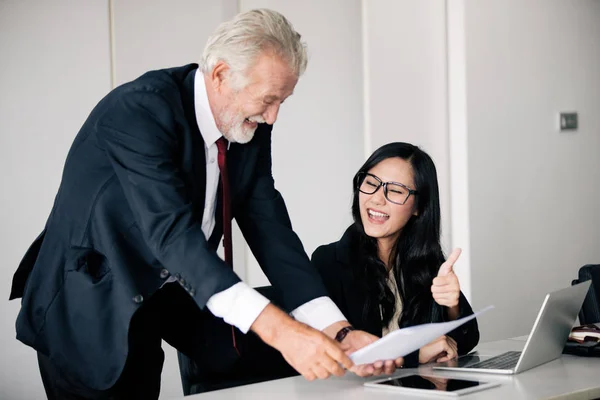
pixel 395 192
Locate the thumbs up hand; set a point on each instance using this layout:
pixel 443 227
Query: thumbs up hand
pixel 445 288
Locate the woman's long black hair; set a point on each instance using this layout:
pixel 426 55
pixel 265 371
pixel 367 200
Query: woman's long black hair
pixel 416 255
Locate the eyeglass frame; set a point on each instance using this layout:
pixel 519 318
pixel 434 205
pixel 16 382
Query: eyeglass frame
pixel 359 183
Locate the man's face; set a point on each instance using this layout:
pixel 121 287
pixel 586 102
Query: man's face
pixel 267 84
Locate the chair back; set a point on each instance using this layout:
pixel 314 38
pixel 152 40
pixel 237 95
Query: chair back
pixel 258 363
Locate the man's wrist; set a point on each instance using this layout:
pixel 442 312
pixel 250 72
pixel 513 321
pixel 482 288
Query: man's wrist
pixel 334 328
pixel 268 324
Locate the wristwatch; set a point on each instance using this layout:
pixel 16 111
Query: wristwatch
pixel 341 335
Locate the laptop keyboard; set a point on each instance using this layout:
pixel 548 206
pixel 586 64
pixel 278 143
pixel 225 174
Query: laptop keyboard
pixel 506 360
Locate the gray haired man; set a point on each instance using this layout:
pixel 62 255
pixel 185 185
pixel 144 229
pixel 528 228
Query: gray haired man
pixel 128 258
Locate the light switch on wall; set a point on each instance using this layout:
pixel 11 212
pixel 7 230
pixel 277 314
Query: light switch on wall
pixel 568 121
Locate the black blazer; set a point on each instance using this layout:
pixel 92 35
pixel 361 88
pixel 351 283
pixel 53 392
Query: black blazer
pixel 128 215
pixel 336 263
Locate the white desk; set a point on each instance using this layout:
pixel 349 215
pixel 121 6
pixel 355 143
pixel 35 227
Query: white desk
pixel 569 377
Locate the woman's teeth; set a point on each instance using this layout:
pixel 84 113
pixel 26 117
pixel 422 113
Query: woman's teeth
pixel 377 214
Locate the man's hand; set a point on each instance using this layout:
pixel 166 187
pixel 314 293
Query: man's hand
pixel 445 288
pixel 310 352
pixel 356 340
pixel 441 349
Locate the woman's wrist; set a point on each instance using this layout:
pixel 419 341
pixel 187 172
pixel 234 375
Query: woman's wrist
pixel 453 312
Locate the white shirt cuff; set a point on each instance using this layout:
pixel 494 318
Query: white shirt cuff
pixel 318 313
pixel 239 305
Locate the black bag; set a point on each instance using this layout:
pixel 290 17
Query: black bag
pixel 590 311
pixel 585 349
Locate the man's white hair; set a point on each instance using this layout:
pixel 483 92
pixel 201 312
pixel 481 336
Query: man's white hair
pixel 240 41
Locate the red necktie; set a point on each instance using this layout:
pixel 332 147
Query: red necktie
pixel 226 201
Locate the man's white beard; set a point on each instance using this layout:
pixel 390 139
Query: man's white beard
pixel 236 130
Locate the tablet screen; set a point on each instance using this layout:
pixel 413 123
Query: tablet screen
pixel 431 382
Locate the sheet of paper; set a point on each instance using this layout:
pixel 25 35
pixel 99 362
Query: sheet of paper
pixel 404 341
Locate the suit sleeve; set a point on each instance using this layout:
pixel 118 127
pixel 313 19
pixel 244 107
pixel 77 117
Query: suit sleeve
pixel 323 260
pixel 466 335
pixel 266 226
pixel 139 135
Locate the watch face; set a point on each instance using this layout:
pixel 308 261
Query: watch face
pixel 342 333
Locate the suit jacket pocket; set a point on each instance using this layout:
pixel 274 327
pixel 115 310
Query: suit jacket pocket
pixel 86 324
pixel 92 264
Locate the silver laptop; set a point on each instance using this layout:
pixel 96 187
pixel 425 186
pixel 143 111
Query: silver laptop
pixel 545 342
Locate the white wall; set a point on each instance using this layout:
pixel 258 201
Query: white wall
pixel 318 138
pixel 406 81
pixel 512 65
pixel 54 68
pixel 154 34
pixel 533 191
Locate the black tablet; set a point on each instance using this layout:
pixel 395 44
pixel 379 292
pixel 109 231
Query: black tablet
pixel 431 384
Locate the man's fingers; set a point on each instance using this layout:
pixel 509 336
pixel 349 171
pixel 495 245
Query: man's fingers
pixel 363 370
pixel 399 362
pixel 320 372
pixel 377 368
pixel 389 367
pixel 309 375
pixel 346 348
pixel 332 366
pixel 338 355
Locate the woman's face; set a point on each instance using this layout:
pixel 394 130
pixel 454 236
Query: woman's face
pixel 381 218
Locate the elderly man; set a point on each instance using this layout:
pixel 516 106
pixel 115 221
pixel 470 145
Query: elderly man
pixel 128 254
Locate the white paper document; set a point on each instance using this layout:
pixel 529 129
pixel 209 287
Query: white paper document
pixel 404 341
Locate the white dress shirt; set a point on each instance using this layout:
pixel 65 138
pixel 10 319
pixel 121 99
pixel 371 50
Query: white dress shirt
pixel 240 304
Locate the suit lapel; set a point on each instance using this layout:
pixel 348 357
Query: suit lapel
pixel 198 156
pixel 240 163
pixel 241 160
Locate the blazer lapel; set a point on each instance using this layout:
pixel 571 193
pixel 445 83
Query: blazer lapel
pixel 241 159
pixel 198 156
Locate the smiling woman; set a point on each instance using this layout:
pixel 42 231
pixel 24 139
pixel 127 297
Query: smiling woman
pixel 388 270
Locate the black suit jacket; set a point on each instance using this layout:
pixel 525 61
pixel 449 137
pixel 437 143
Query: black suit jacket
pixel 336 263
pixel 128 215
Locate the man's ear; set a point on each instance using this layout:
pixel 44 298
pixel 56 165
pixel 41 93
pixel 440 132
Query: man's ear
pixel 219 75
